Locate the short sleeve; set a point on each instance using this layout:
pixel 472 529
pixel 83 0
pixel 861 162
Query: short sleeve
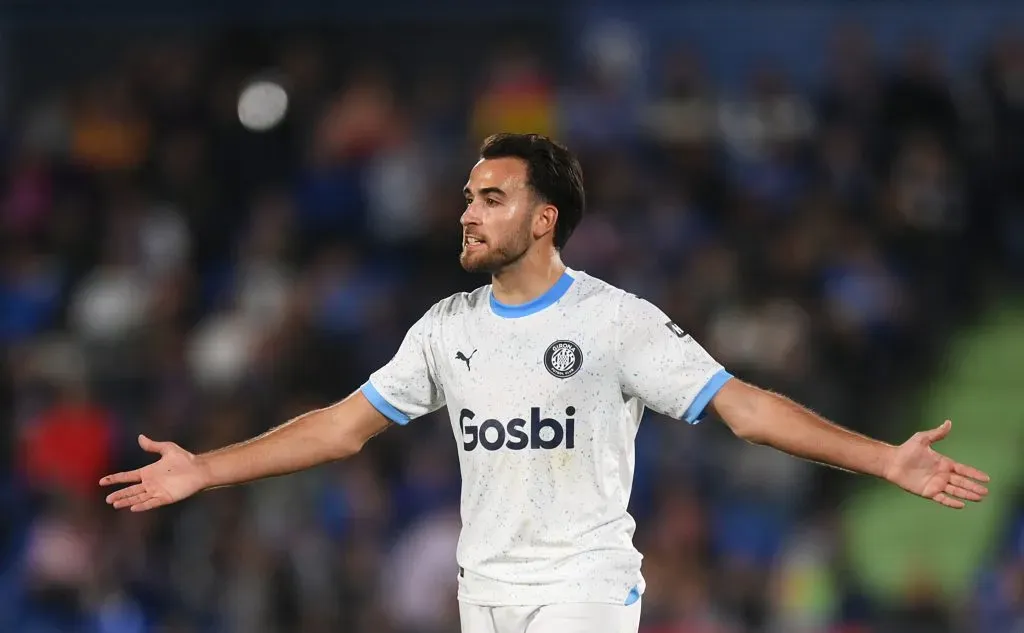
pixel 662 366
pixel 408 387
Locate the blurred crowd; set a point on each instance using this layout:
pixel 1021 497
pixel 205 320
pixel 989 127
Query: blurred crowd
pixel 166 271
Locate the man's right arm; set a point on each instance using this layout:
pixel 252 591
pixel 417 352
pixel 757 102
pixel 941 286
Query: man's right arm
pixel 319 436
pixel 406 388
pixel 314 438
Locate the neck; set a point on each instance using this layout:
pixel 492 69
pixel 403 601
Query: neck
pixel 528 278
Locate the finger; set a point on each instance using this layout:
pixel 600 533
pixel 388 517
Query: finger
pixel 127 477
pixel 150 446
pixel 133 500
pixel 964 482
pixel 938 433
pixel 973 473
pixel 962 493
pixel 130 491
pixel 949 502
pixel 152 502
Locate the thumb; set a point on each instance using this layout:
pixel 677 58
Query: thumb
pixel 938 433
pixel 150 446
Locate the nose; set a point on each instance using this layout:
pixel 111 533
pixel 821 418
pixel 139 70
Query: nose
pixel 470 216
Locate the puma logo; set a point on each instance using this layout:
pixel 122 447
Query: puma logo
pixel 463 357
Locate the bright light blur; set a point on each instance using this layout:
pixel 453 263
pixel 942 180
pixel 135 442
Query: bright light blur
pixel 262 105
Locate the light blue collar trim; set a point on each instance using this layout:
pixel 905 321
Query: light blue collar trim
pixel 530 307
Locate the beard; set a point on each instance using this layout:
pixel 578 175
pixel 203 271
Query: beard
pixel 496 257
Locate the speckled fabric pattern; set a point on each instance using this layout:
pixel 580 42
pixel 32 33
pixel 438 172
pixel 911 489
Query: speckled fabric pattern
pixel 556 618
pixel 544 405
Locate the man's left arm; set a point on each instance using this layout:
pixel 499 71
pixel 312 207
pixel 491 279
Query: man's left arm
pixel 762 417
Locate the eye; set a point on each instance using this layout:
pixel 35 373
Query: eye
pixel 491 202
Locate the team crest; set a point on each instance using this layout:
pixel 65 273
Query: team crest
pixel 563 359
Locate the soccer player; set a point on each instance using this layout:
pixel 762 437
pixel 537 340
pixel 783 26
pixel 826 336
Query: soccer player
pixel 546 373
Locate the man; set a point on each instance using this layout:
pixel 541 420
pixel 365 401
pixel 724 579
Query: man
pixel 546 373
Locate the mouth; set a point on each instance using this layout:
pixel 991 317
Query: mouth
pixel 472 242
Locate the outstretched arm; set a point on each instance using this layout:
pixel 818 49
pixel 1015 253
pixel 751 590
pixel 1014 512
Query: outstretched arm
pixel 762 417
pixel 314 438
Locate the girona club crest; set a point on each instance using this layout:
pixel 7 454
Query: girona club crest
pixel 563 359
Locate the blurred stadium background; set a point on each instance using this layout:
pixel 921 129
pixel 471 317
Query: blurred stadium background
pixel 830 195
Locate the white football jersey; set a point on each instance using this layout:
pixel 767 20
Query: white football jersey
pixel 545 399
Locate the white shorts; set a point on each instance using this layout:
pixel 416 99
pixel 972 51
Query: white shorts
pixel 555 618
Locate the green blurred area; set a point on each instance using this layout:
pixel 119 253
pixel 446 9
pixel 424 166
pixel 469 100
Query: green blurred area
pixel 894 537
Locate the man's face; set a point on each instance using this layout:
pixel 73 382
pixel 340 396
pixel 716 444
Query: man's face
pixel 497 223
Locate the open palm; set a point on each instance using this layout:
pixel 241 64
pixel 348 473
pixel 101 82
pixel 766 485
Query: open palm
pixel 918 468
pixel 175 476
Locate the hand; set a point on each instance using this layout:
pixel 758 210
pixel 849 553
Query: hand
pixel 175 476
pixel 916 467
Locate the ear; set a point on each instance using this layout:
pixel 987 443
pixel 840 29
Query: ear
pixel 544 220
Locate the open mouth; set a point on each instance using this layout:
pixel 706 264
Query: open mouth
pixel 471 242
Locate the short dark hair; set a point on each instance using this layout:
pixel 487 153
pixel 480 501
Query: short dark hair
pixel 552 171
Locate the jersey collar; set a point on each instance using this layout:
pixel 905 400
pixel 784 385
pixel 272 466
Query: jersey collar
pixel 553 294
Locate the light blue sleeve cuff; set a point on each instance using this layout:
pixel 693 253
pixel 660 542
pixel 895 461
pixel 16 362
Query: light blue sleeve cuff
pixel 697 409
pixel 379 403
